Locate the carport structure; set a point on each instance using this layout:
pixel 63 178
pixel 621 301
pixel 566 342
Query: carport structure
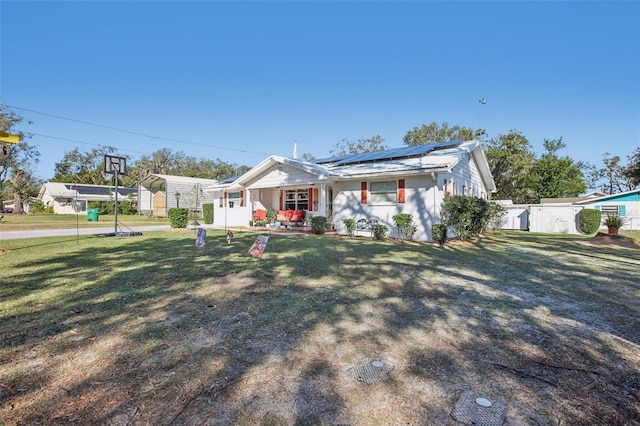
pixel 157 193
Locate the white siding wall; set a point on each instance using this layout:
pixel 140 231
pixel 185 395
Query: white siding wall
pixel 230 217
pixel 466 175
pixel 554 219
pixel 516 218
pixel 285 176
pixel 631 214
pixel 422 201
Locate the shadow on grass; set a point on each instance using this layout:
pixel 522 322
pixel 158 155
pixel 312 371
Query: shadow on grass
pixel 154 330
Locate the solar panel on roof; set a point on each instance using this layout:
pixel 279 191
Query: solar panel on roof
pixel 389 154
pixel 229 180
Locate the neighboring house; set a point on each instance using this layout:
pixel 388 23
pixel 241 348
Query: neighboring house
pixel 562 215
pixel 158 193
pixel 374 185
pixel 72 198
pixel 625 204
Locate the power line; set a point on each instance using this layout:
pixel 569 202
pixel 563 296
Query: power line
pixel 88 123
pixel 84 143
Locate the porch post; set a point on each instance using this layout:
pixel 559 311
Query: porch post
pixel 323 200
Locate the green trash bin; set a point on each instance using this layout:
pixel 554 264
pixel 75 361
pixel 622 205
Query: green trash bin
pixel 92 215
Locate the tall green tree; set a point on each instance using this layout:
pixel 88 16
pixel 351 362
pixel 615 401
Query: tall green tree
pixel 611 177
pixel 85 167
pixel 165 161
pixel 511 159
pixel 435 132
pixel 360 145
pixel 632 170
pixel 24 186
pixel 555 176
pixel 20 158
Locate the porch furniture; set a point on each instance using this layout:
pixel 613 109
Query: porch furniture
pixel 364 226
pixel 291 217
pixel 259 215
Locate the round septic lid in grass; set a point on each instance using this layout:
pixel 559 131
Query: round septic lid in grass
pixel 378 364
pixel 483 402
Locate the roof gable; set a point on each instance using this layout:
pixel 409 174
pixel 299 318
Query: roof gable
pixel 633 195
pixel 438 158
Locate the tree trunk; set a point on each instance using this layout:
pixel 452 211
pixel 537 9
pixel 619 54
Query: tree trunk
pixel 17 204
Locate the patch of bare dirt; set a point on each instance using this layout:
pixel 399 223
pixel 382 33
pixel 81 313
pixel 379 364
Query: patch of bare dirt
pixel 604 238
pixel 3 251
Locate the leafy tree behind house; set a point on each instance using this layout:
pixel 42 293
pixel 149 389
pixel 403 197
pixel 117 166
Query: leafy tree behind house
pixel 84 167
pixel 512 160
pixel 372 144
pixel 555 176
pixel 167 162
pixel 632 171
pixel 434 132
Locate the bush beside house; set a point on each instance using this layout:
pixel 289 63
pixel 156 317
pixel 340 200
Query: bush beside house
pixel 589 221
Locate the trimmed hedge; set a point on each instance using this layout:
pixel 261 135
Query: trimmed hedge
pixel 589 221
pixel 380 232
pixel 439 233
pixel 178 217
pixel 404 226
pixel 319 224
pixel 350 224
pixel 207 211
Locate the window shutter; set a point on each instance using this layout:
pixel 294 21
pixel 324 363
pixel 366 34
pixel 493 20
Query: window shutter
pixel 445 188
pixel 281 200
pixel 225 200
pixel 363 192
pixel 622 210
pixel 241 198
pixel 311 199
pixel 400 191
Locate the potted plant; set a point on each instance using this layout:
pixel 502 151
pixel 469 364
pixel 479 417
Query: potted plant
pixel 272 215
pixel 613 222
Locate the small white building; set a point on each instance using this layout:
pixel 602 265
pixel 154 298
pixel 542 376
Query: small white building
pixel 374 185
pixel 73 198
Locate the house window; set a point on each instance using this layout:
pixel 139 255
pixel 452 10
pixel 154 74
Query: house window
pixel 296 199
pixel 234 199
pixel 616 210
pixel 383 193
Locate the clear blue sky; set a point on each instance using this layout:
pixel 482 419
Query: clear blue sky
pixel 242 80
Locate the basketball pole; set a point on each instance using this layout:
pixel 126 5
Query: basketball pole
pixel 116 168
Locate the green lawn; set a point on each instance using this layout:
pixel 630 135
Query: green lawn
pixel 11 222
pixel 152 330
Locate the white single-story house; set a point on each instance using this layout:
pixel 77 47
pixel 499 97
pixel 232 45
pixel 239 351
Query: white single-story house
pixel 73 198
pixel 625 204
pixel 374 185
pixel 157 193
